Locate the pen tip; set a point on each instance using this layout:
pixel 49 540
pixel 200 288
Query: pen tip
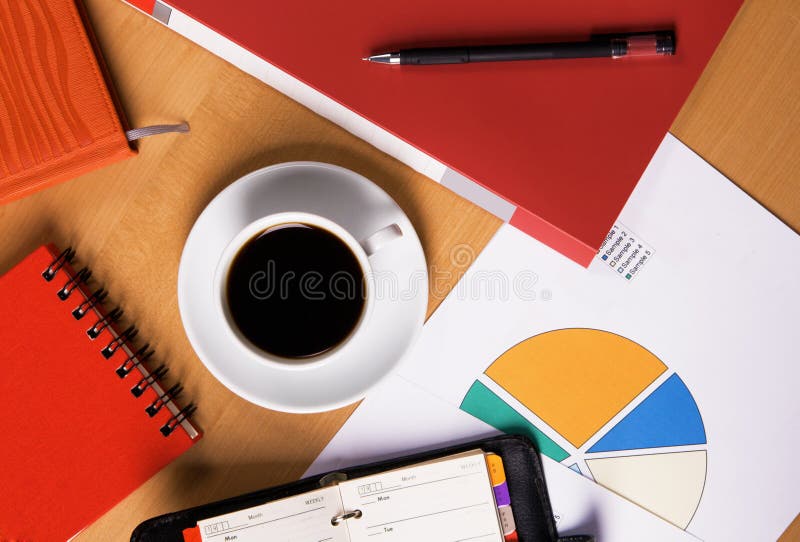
pixel 386 58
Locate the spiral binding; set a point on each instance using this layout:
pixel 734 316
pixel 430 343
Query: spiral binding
pixel 176 419
pixel 103 322
pixel 117 342
pixel 81 276
pixel 148 380
pixel 122 341
pixel 97 297
pixel 134 360
pixel 63 259
pixel 159 402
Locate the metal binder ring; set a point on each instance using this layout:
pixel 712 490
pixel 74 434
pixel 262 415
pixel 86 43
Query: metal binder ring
pixel 98 296
pixel 63 259
pixel 117 342
pixel 103 322
pixel 134 360
pixel 173 423
pixel 81 276
pixel 149 380
pixel 336 520
pixel 159 402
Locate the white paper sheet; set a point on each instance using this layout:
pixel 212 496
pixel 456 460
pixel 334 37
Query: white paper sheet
pixel 667 371
pixel 687 403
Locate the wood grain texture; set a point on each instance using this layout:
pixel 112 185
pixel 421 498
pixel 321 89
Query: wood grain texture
pixel 130 220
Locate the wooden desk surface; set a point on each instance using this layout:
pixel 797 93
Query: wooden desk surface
pixel 130 220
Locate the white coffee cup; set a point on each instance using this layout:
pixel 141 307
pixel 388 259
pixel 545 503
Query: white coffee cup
pixel 362 250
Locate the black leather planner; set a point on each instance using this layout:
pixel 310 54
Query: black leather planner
pixel 530 503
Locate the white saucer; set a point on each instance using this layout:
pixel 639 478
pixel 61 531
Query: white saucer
pixel 357 205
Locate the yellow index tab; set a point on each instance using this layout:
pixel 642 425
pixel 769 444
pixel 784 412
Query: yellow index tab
pixel 497 473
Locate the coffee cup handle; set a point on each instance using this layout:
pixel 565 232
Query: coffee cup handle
pixel 381 238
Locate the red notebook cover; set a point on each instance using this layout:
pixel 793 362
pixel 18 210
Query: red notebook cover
pixel 75 438
pixel 59 117
pixel 565 141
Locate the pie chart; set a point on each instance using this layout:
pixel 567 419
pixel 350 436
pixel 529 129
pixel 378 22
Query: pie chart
pixel 605 407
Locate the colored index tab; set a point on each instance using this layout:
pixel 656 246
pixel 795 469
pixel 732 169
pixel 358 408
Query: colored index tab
pixel 496 471
pixel 192 534
pixel 502 497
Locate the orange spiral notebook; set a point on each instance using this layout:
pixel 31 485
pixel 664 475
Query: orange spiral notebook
pixel 86 416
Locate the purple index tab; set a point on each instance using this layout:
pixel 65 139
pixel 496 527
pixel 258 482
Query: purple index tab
pixel 501 495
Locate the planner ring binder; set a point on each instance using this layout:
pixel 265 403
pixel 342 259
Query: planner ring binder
pixel 121 341
pixel 353 514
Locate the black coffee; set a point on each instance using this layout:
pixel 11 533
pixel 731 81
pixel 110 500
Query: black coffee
pixel 295 290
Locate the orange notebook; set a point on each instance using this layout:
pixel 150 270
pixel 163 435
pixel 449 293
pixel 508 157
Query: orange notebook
pixel 84 421
pixel 58 117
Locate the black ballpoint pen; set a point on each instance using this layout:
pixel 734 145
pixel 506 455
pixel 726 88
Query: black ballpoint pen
pixel 608 46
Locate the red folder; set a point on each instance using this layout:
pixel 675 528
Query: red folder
pixel 564 141
pixel 75 438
